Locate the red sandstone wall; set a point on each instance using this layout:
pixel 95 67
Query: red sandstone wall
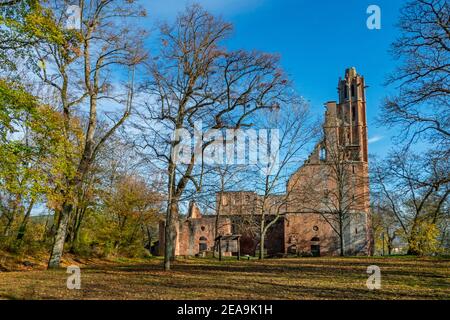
pixel 192 230
pixel 299 230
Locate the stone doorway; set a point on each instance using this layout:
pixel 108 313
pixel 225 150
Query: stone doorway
pixel 315 250
pixel 315 247
pixel 203 245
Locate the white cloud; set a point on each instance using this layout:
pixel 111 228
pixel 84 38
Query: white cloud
pixel 374 139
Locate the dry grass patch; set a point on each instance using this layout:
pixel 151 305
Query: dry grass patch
pixel 296 278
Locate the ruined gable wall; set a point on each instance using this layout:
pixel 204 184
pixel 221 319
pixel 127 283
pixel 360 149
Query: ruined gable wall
pixel 235 203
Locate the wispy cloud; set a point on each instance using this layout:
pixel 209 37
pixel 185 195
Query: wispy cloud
pixel 374 139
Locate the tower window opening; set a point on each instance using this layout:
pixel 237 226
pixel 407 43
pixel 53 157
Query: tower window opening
pixel 345 92
pixel 323 154
pixel 353 90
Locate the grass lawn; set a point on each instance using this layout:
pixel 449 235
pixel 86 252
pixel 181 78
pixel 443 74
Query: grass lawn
pixel 293 278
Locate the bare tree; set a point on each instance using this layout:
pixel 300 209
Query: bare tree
pixel 220 179
pixel 421 109
pixel 384 224
pixel 421 106
pixel 80 67
pixel 415 189
pixel 217 181
pixel 295 131
pixel 195 79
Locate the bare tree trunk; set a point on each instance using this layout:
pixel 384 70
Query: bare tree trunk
pixel 262 230
pixel 216 229
pixel 218 209
pixel 149 238
pixel 60 237
pixel 171 216
pixel 341 237
pixel 170 234
pixel 261 243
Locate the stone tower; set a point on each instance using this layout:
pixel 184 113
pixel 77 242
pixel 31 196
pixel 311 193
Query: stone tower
pixel 346 127
pixel 352 111
pixel 345 121
pixel 340 161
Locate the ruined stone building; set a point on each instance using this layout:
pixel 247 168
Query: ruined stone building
pixel 331 183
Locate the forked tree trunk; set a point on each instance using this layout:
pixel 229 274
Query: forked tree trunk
pixel 76 184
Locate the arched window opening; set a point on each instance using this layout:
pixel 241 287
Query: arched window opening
pixel 323 154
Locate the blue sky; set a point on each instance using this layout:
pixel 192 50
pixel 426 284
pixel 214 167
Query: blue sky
pixel 317 40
